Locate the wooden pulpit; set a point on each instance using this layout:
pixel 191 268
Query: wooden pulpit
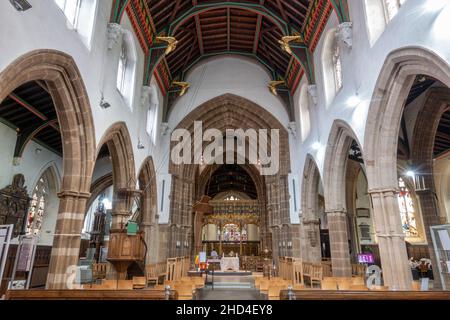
pixel 123 249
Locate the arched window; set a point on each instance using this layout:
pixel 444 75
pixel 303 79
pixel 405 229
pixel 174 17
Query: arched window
pixel 126 69
pixel 152 113
pixel 305 120
pixel 37 208
pixel 337 66
pixel 80 14
pixel 378 15
pixel 407 211
pixel 332 66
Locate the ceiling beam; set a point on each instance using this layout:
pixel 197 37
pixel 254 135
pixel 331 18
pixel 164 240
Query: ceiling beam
pixel 283 13
pixel 258 30
pixel 175 11
pixel 228 29
pixel 198 27
pixel 32 109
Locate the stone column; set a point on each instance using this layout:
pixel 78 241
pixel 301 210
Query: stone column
pixel 67 239
pixel 152 241
pixel 430 215
pixel 388 229
pixel 311 240
pixel 340 256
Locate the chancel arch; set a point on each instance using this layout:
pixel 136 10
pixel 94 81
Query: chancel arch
pixel 231 112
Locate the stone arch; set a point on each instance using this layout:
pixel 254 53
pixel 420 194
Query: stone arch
pixel 149 208
pixel 380 141
pixel 118 141
pixel 98 186
pixel 384 116
pixel 310 223
pixel 71 101
pixel 229 111
pixel 339 142
pixel 336 155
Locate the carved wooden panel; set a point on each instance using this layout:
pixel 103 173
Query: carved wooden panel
pixel 14 203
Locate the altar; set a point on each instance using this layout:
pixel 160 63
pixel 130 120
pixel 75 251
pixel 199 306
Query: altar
pixel 229 263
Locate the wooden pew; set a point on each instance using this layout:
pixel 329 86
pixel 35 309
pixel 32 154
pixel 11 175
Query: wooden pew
pixel 364 295
pixel 146 294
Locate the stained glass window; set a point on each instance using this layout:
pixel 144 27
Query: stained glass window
pixel 407 210
pixel 231 232
pixel 37 207
pixel 392 7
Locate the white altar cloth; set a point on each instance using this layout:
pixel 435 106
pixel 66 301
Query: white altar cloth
pixel 229 263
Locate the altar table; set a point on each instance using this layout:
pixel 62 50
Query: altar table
pixel 229 263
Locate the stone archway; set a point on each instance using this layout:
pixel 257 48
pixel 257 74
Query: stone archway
pixel 382 129
pixel 336 157
pixel 71 101
pixel 428 118
pixel 149 209
pixel 118 141
pixel 310 223
pixel 231 112
pixel 98 186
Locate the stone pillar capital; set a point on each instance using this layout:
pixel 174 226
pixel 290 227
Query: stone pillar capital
pixel 383 191
pixel 344 32
pixel 307 221
pixel 312 93
pixel 114 31
pixel 74 194
pixel 336 212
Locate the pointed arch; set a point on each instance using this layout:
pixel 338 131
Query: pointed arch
pixel 386 109
pixel 336 155
pixel 117 139
pixel 147 184
pixel 65 85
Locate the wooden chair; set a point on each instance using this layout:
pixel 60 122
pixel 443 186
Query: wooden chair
pixel 298 273
pixel 99 271
pixel 315 274
pixel 139 282
pixel 307 271
pixel 151 274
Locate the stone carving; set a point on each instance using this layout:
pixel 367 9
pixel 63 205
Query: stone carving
pixel 114 32
pixel 164 128
pixel 344 32
pixel 292 127
pixel 312 92
pixel 14 203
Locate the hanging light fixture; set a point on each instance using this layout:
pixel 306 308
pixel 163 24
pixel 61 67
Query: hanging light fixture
pixel 20 5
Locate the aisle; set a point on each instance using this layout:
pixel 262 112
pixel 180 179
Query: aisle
pixel 229 294
pixel 231 287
